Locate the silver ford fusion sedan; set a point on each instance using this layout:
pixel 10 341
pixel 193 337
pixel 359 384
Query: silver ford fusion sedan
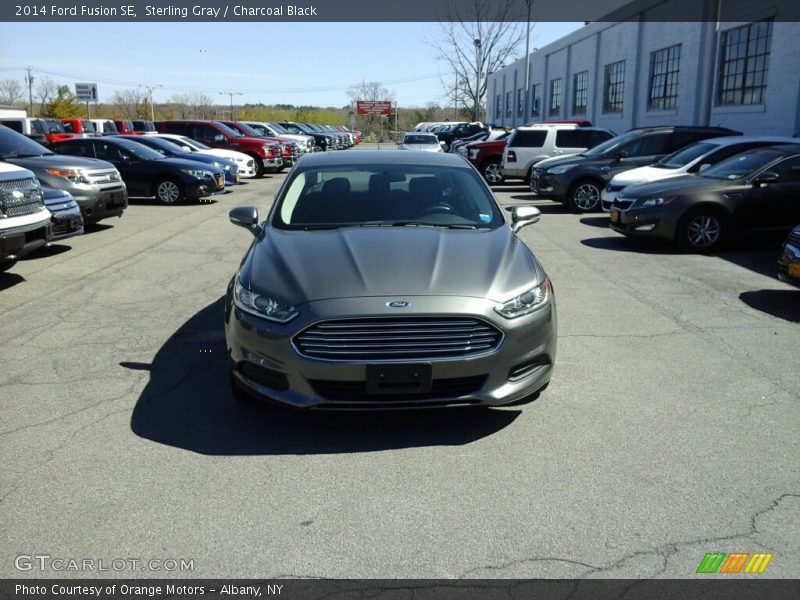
pixel 420 141
pixel 388 280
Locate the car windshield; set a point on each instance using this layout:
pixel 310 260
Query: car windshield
pixel 186 141
pixel 13 144
pixel 278 128
pixel 249 130
pixel 229 130
pixel 611 145
pixel 420 139
pixel 742 165
pixel 411 195
pixel 160 144
pixel 88 126
pixel 683 157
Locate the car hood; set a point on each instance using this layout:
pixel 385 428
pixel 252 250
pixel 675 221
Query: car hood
pixel 182 163
pixel 645 175
pixel 295 267
pixel 60 160
pixel 569 159
pixel 685 184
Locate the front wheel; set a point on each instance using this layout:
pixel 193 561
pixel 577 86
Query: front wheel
pixel 493 172
pixel 584 196
pixel 169 191
pixel 259 166
pixel 702 230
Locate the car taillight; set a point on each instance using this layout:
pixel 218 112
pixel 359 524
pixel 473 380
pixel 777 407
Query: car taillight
pixel 511 156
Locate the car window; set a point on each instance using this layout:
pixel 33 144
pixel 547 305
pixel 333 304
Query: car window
pixel 648 145
pixel 68 127
pixel 204 133
pixel 572 138
pixel 15 125
pixel 350 195
pixel 107 152
pixel 721 154
pixel 788 170
pixel 742 165
pixel 420 139
pixel 683 157
pixel 528 138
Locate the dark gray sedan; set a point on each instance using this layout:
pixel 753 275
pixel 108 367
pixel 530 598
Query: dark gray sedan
pixel 388 280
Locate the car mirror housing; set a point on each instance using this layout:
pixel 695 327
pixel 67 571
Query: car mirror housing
pixel 218 138
pixel 522 216
pixel 703 167
pixel 247 217
pixel 623 154
pixel 766 177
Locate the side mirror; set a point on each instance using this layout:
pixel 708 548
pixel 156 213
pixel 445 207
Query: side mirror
pixel 218 138
pixel 703 167
pixel 187 149
pixel 522 216
pixel 623 154
pixel 247 217
pixel 766 177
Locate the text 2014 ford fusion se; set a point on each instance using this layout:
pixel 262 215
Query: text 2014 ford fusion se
pixel 388 280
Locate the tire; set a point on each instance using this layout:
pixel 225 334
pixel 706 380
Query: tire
pixel 584 196
pixel 170 191
pixel 702 230
pixel 5 265
pixel 492 171
pixel 259 165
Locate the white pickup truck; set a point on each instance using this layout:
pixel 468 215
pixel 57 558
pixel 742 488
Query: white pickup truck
pixel 25 223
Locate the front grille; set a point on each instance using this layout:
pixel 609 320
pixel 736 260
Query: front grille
pixel 101 176
pixel 398 338
pixel 356 391
pixel 794 238
pixel 19 197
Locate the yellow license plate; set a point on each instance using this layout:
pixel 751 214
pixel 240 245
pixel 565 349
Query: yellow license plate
pixel 220 181
pixel 614 216
pixel 794 269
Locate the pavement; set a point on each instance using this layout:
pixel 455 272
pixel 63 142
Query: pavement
pixel 669 429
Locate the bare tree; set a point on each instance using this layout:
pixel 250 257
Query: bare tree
pixel 371 90
pixel 11 92
pixel 202 105
pixel 131 104
pixel 476 39
pixel 47 91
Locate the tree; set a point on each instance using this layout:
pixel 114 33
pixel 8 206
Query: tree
pixel 11 92
pixel 477 39
pixel 131 104
pixel 46 90
pixel 63 105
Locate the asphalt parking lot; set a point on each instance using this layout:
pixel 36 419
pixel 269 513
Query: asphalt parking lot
pixel 668 431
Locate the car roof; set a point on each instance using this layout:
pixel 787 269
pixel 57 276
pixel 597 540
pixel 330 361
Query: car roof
pixel 730 140
pixel 383 157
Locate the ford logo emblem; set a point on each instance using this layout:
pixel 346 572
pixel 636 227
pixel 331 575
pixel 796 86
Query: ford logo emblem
pixel 398 304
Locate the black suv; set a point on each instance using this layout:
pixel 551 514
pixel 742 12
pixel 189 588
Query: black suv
pixel 579 179
pixel 458 132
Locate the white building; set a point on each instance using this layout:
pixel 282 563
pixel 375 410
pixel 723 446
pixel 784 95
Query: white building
pixel 637 70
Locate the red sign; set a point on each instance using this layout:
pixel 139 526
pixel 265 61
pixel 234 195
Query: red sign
pixel 373 107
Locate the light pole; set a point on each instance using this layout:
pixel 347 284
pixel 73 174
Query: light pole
pixel 232 94
pixel 150 89
pixel 477 43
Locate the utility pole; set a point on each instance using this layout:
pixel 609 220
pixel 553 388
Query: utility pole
pixel 29 81
pixel 150 89
pixel 232 94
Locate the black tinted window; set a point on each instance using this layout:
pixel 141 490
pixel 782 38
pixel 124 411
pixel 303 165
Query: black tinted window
pixel 788 170
pixel 527 138
pixel 573 138
pixel 15 125
pixel 647 146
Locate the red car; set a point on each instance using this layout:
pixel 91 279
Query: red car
pixel 486 157
pixel 289 151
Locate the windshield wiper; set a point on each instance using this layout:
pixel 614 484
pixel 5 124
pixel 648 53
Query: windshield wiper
pixel 424 224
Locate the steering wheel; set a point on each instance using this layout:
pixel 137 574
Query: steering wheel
pixel 442 207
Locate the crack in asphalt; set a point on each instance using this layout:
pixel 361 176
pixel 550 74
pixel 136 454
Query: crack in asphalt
pixel 664 551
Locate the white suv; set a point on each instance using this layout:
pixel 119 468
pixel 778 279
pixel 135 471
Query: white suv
pixel 530 144
pixel 25 223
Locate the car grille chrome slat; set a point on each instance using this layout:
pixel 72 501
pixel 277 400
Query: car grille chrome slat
pixel 395 338
pixel 27 201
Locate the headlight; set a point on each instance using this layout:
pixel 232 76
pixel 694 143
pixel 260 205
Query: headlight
pixel 653 202
pixel 528 302
pixel 560 170
pixel 74 175
pixel 261 306
pixel 267 149
pixel 198 173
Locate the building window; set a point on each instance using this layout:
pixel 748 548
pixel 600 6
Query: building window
pixel 581 93
pixel 555 97
pixel 536 100
pixel 614 87
pixel 497 109
pixel 520 102
pixel 664 68
pixel 508 104
pixel 744 54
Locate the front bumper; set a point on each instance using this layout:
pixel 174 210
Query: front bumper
pixel 548 186
pixel 67 219
pixel 98 205
pixel 34 232
pixel 789 263
pixel 267 363
pixel 653 223
pixel 608 196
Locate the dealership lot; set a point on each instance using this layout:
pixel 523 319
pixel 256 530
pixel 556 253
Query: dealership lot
pixel 669 429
